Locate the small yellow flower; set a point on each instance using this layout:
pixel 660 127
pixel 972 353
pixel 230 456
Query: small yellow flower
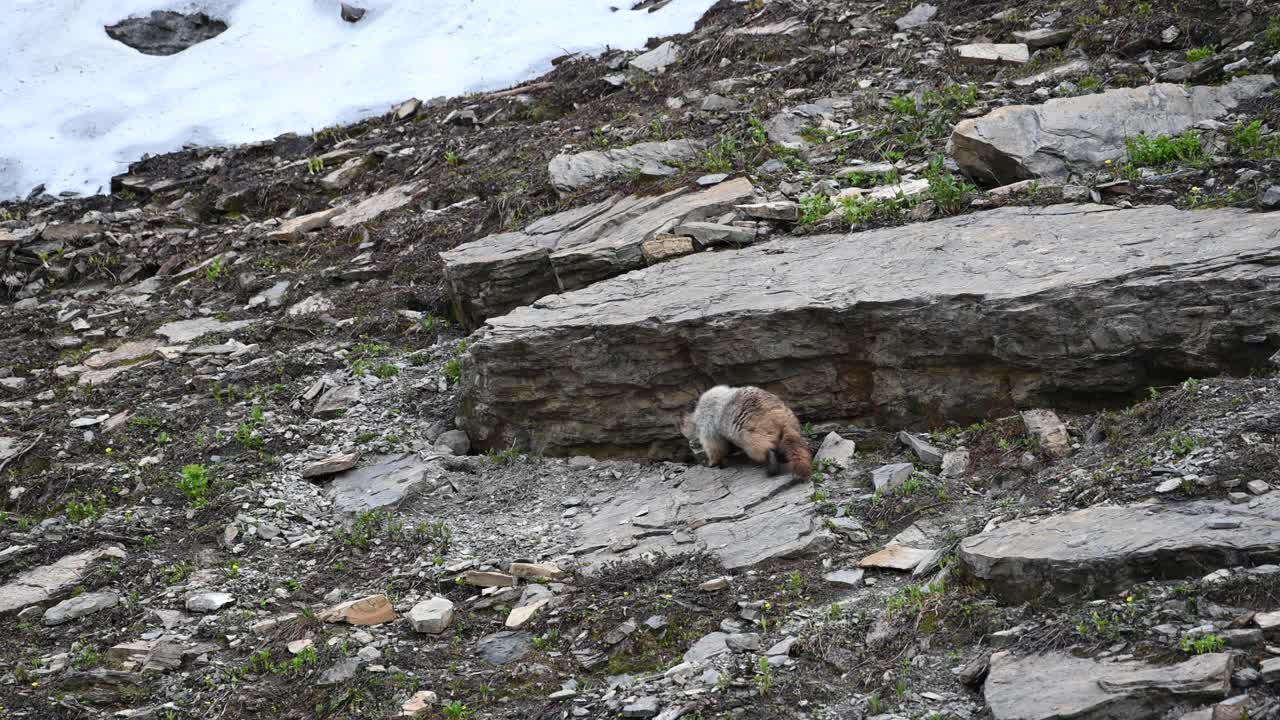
pixel 1195 188
pixel 1129 599
pixel 1108 162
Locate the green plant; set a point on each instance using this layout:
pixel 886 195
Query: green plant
pixel 194 483
pixel 213 272
pixel 815 207
pixel 947 192
pixel 874 704
pixel 452 158
pixel 720 156
pixel 87 507
pixel 178 572
pixel 1272 34
pixel 764 677
pixel 1147 151
pixel 387 370
pixel 315 165
pixel 453 368
pixel 455 710
pixel 1183 443
pixel 1204 644
pixel 1201 53
pixel 232 570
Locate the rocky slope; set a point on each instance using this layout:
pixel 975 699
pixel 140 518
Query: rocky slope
pixel 378 421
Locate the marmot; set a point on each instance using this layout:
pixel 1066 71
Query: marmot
pixel 755 420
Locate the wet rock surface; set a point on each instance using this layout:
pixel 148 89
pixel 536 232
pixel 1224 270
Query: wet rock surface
pixel 165 32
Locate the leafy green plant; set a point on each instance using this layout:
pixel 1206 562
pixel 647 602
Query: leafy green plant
pixel 945 190
pixel 213 272
pixel 815 207
pixel 194 483
pixel 453 368
pixel 315 165
pixel 1147 151
pixel 452 158
pixel 87 507
pixel 1204 644
pixel 455 710
pixel 764 677
pixel 719 157
pixel 1195 55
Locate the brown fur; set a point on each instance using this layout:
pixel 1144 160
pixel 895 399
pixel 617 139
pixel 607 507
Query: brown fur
pixel 755 420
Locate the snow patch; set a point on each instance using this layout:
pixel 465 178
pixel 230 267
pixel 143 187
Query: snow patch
pixel 77 106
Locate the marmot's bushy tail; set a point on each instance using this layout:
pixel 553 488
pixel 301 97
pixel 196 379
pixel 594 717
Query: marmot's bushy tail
pixel 796 449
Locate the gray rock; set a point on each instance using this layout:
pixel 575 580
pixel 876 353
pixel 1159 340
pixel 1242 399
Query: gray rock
pixel 351 13
pixel 955 463
pixel 79 606
pixel 836 450
pixel 1270 198
pixel 570 172
pixel 184 331
pixel 1058 686
pixel 1094 551
pixel 572 249
pixel 707 647
pixel 642 707
pixel 993 53
pixel 658 59
pixel 785 210
pixel 340 672
pixel 1049 431
pixel 1044 37
pixel 719 103
pixel 208 602
pixel 431 616
pixel 455 442
pixel 1061 317
pixel 332 464
pixel 846 578
pixel 709 234
pixel 292 230
pixel 919 15
pixel 791 27
pixel 741 514
pixel 337 401
pixel 505 646
pixel 928 453
pixel 164 32
pixel 1077 134
pixel 888 478
pixel 1258 487
pixel 272 297
pixel 712 179
pixel 386 481
pixel 48 582
pixel 374 207
pixel 743 642
pixel 773 166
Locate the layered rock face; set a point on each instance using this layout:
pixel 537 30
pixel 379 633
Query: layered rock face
pixel 950 320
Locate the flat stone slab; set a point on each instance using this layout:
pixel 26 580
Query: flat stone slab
pixel 1057 686
pixel 1022 307
pixel 40 584
pixel 1099 550
pixel 572 171
pixel 738 513
pixel 385 482
pixel 1066 135
pixel 128 352
pixel 184 331
pixel 573 249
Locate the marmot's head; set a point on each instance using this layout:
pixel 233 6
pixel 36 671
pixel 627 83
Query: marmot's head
pixel 686 423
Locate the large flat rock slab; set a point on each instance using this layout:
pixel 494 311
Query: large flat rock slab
pixel 1018 142
pixel 1099 550
pixel 740 514
pixel 385 482
pixel 570 171
pixel 573 249
pixel 1057 686
pixel 51 581
pixel 955 319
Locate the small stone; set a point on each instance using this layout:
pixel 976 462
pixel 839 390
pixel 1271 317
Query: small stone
pixel 888 478
pixel 780 210
pixel 1258 487
pixel 665 247
pixel 536 570
pixel 503 647
pixel 845 578
pixel 431 616
pixel 896 557
pixel 772 166
pixel 370 610
pixel 620 633
pixel 928 453
pixel 208 602
pixel 332 464
pixel 955 463
pixel 351 13
pixel 80 606
pixel 489 579
pixel 1052 434
pixel 420 703
pixel 523 614
pixel 1169 486
pixel 1043 37
pixel 454 442
pixel 994 53
pixel 1270 199
pixel 339 672
pixel 743 642
pixel 714 585
pixel 713 179
pixel 644 707
pixel 919 15
pixel 835 450
pixel 1270 670
pixel 1236 498
pixel 337 401
pixel 719 103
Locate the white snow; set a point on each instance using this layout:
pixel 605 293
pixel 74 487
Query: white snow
pixel 76 106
